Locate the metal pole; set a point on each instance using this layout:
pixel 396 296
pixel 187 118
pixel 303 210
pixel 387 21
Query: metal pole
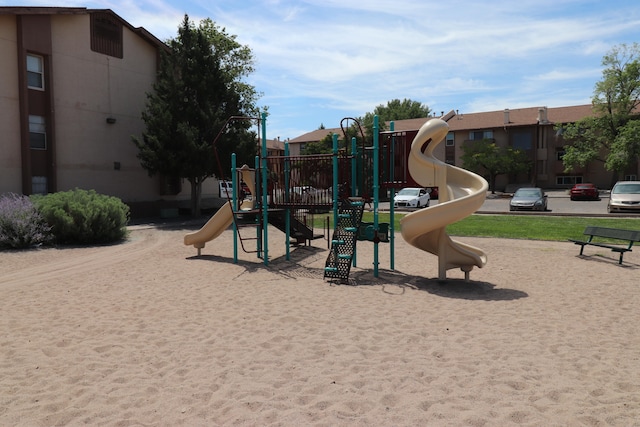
pixel 265 212
pixel 392 194
pixel 256 199
pixel 287 213
pixel 336 193
pixel 354 180
pixel 376 178
pixel 234 183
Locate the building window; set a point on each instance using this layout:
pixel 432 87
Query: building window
pixel 37 133
pixel 478 135
pixel 560 154
pixel 450 142
pixel 106 34
pixel 38 185
pixel 630 177
pixel 35 72
pixel 568 180
pixel 521 141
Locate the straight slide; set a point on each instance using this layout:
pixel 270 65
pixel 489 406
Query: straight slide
pixel 223 218
pixel 219 222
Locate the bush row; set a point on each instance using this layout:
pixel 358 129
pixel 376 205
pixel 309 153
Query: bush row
pixel 68 217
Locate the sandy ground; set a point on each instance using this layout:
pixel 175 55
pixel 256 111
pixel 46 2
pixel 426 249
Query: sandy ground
pixel 146 333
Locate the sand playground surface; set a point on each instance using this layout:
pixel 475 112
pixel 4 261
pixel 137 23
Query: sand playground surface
pixel 144 333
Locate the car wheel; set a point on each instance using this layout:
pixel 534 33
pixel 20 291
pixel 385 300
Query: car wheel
pixel 427 205
pixel 418 205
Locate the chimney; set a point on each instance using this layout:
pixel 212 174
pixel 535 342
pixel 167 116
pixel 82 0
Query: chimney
pixel 542 115
pixel 506 116
pixel 448 116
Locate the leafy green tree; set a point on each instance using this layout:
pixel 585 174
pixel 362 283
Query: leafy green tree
pixel 324 146
pixel 486 158
pixel 612 135
pixel 198 87
pixel 394 110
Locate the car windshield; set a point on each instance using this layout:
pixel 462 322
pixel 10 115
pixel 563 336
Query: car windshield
pixel 584 186
pixel 409 192
pixel 626 189
pixel 528 192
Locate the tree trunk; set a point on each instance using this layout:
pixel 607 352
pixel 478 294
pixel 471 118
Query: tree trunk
pixel 196 194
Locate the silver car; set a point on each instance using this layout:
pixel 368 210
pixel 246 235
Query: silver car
pixel 530 199
pixel 625 197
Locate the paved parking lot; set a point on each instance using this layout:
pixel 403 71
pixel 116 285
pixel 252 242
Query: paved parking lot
pixel 558 204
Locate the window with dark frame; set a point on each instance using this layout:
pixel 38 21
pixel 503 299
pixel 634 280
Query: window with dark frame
pixel 37 133
pixel 478 135
pixel 38 185
pixel 568 180
pixel 450 142
pixel 35 72
pixel 106 34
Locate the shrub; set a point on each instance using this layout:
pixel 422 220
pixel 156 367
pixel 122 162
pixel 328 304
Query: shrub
pixel 21 225
pixel 84 216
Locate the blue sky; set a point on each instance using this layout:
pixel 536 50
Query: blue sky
pixel 318 61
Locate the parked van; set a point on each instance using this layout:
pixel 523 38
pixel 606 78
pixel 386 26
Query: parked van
pixel 225 189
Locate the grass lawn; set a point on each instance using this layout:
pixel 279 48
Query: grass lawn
pixel 530 227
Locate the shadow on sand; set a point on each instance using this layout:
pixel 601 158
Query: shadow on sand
pixel 296 266
pixel 391 282
pixel 448 288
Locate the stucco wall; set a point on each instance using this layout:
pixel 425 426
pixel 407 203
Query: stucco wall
pixel 10 157
pixel 89 87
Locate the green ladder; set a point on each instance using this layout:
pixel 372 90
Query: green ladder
pixel 343 243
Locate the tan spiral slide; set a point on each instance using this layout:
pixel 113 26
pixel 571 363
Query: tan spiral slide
pixel 461 193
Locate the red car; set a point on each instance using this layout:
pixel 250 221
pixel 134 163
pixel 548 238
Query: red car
pixel 584 192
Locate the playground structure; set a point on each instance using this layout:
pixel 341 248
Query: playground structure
pixel 285 189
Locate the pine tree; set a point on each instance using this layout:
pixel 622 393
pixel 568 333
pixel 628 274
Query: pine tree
pixel 198 87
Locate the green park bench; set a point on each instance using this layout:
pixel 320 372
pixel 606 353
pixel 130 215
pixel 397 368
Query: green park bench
pixel 605 236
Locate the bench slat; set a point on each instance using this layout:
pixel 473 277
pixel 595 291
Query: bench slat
pixel 613 233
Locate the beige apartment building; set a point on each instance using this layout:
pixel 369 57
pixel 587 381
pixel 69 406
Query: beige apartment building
pixel 532 129
pixel 73 87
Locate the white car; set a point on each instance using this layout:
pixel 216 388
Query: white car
pixel 411 198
